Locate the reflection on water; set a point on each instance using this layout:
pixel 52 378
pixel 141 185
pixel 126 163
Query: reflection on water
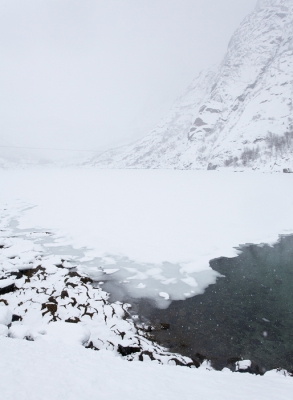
pixel 247 314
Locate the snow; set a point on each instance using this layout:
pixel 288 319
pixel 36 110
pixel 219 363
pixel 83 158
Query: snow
pixel 164 295
pixel 244 364
pixel 150 233
pixel 60 331
pixel 230 109
pixel 49 302
pixel 64 332
pixel 5 315
pixel 55 370
pixel 3 330
pixel 159 229
pixel 5 283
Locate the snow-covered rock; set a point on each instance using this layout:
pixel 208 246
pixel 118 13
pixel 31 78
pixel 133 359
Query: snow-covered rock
pixel 3 330
pixel 239 115
pixel 50 301
pixel 5 315
pixel 64 332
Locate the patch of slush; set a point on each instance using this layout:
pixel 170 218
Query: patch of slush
pixel 161 283
pixel 145 280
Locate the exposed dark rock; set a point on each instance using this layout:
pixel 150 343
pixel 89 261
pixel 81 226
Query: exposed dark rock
pixel 8 289
pixel 196 363
pixel 51 307
pixel 73 285
pixel 16 318
pixel 199 122
pixel 147 353
pixel 258 140
pixel 86 280
pixel 73 320
pixel 29 338
pixel 126 351
pixel 74 302
pixel 164 326
pixel 233 360
pixel 51 299
pixel 91 346
pixel 253 369
pixel 122 334
pixel 30 272
pixel 212 167
pixel 18 274
pixel 74 274
pixel 285 372
pixel 178 362
pixel 213 110
pixel 64 294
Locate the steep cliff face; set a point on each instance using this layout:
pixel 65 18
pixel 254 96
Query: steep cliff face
pixel 239 115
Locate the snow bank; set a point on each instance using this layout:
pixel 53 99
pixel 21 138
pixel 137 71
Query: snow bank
pixel 54 370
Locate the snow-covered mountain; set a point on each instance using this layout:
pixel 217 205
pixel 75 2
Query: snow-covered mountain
pixel 237 115
pixel 21 157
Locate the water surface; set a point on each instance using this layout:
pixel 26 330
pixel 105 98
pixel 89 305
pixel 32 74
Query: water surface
pixel 247 314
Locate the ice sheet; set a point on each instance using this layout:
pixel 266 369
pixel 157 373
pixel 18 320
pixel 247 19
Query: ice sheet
pixel 165 225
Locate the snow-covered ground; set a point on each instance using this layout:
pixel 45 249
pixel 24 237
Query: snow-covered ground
pixel 53 371
pixel 154 230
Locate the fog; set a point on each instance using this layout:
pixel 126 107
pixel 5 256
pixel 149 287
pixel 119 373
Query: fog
pixel 94 74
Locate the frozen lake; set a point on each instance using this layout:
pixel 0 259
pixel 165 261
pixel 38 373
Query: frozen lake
pixel 152 231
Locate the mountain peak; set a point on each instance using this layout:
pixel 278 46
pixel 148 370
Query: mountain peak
pixel 273 3
pixel 240 115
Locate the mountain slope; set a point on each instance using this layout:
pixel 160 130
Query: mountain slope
pixel 240 115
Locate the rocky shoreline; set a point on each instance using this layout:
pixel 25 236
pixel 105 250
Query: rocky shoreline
pixel 43 297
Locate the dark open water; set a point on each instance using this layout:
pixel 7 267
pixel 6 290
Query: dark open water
pixel 247 314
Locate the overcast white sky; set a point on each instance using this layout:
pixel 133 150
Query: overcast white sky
pixel 93 74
